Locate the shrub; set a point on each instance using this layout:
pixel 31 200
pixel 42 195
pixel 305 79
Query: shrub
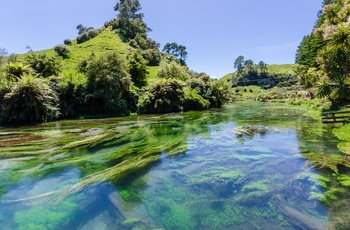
pixel 18 69
pixel 62 50
pixel 138 69
pixel 44 65
pixel 153 56
pixel 130 29
pixel 199 85
pixel 194 101
pixel 87 36
pixel 82 38
pixel 173 70
pixel 107 83
pixel 218 94
pixel 164 96
pixel 67 42
pixel 71 99
pixel 30 100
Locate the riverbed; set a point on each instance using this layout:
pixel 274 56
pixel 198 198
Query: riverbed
pixel 245 166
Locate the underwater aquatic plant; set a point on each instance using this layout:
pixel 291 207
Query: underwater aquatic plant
pixel 45 218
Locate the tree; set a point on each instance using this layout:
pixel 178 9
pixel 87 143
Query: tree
pixel 3 54
pixel 308 49
pixel 30 100
pixel 91 33
pixel 171 48
pixel 249 66
pixel 218 94
pixel 182 54
pixel 333 58
pixel 306 76
pixel 129 9
pixel 163 96
pixel 129 20
pixel 107 82
pixel 173 69
pixel 262 66
pixel 138 69
pixel 178 51
pixel 82 29
pixel 18 69
pixel 62 50
pixel 67 42
pixel 153 56
pixel 239 63
pixel 44 65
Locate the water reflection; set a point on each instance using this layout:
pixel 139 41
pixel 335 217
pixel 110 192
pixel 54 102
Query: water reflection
pixel 241 167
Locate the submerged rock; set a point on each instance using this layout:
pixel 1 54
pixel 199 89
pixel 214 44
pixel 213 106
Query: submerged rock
pixel 250 130
pixel 297 218
pixel 103 221
pixel 131 212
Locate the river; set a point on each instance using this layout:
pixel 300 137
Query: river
pixel 245 166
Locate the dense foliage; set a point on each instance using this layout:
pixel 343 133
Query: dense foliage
pixel 107 81
pixel 138 69
pixel 30 100
pixel 249 73
pixel 323 56
pixel 62 50
pixel 178 51
pixel 308 50
pixel 62 83
pixel 44 65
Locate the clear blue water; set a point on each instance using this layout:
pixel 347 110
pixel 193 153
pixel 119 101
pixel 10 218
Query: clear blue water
pixel 240 167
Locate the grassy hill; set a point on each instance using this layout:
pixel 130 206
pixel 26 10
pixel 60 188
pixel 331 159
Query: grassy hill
pixel 284 68
pixel 274 68
pixel 226 78
pixel 107 41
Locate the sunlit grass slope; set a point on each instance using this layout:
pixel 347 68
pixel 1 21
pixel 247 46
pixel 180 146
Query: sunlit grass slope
pixel 274 68
pixel 107 41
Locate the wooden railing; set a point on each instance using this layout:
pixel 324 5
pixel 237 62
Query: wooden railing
pixel 336 117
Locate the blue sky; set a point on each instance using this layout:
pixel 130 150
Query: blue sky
pixel 214 32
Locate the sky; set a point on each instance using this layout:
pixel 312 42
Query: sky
pixel 215 33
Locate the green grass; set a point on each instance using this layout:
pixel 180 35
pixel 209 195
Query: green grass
pixel 107 41
pixel 274 68
pixel 251 92
pixel 226 78
pixel 152 74
pixel 285 68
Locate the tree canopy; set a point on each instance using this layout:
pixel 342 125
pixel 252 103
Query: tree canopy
pixel 323 56
pixel 129 19
pixel 129 9
pixel 178 51
pixel 239 63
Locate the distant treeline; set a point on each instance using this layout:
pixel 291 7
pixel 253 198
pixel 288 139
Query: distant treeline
pixel 249 73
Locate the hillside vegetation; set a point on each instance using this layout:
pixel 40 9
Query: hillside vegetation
pixel 270 83
pixel 323 56
pixel 273 68
pixel 111 71
pixel 107 41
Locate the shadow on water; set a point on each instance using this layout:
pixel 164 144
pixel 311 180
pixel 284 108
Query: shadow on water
pixel 243 167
